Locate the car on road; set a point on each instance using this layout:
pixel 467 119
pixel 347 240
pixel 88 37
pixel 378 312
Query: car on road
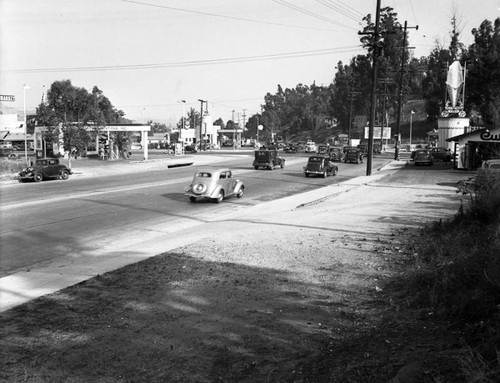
pixel 310 147
pixel 214 185
pixel 441 154
pixel 352 154
pixel 336 153
pixel 268 159
pixel 321 166
pixel 422 157
pixel 323 149
pixel 44 168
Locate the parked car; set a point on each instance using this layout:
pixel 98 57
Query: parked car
pixel 291 148
pixel 6 152
pixel 336 153
pixel 320 165
pixel 268 159
pixel 352 154
pixel 44 168
pixel 491 165
pixel 364 149
pixel 215 185
pixel 422 157
pixel 441 154
pixel 323 149
pixel 190 149
pixel 310 147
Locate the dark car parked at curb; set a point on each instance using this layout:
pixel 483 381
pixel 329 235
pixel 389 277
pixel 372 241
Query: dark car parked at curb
pixel 321 166
pixel 353 155
pixel 44 168
pixel 214 185
pixel 267 159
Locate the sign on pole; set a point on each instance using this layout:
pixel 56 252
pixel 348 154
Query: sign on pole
pixel 7 97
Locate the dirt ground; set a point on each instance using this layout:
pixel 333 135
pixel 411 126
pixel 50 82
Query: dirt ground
pixel 230 309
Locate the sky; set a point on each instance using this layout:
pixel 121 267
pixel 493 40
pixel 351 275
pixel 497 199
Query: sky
pixel 148 55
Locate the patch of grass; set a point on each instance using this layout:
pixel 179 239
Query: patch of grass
pixel 456 272
pixel 9 168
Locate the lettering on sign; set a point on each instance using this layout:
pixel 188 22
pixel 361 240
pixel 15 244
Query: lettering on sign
pixel 487 136
pixel 7 97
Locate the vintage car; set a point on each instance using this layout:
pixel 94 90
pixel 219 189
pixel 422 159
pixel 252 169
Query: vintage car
pixel 44 168
pixel 323 149
pixel 441 154
pixel 215 185
pixel 291 148
pixel 310 147
pixel 320 165
pixel 336 153
pixel 422 157
pixel 352 154
pixel 492 165
pixel 267 159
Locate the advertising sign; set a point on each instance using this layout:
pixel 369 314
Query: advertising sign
pixel 377 132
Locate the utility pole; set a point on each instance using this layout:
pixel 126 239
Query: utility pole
pixel 384 81
pixel 400 95
pixel 201 121
pixel 374 90
pixel 352 97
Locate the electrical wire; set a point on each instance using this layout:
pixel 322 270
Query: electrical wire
pixel 342 10
pixel 309 13
pixel 226 17
pixel 278 56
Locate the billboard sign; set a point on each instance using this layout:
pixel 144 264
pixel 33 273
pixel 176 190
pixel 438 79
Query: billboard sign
pixel 377 132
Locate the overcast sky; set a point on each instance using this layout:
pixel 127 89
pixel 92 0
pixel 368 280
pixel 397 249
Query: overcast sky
pixel 146 55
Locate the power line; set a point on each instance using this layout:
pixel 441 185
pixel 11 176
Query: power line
pixel 226 17
pixel 345 12
pixel 277 56
pixel 309 13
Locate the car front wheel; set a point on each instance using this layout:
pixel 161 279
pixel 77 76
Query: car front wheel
pixel 38 177
pixel 64 175
pixel 192 199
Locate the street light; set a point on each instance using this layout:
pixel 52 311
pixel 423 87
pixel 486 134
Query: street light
pixel 411 121
pixel 25 124
pixel 183 102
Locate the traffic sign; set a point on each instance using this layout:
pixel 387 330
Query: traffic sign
pixel 7 97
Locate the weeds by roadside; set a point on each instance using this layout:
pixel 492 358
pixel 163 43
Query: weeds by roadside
pixel 10 168
pixel 456 273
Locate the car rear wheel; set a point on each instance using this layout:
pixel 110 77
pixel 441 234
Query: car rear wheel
pixel 256 167
pixel 307 174
pixel 220 196
pixel 64 175
pixel 38 177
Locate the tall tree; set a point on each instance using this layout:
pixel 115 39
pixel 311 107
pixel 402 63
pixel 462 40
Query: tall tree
pixel 483 79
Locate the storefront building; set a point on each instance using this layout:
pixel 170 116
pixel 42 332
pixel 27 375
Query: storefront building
pixel 476 146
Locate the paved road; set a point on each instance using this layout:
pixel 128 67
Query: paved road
pixel 111 214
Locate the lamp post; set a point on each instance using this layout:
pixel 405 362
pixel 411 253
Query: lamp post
pixel 25 124
pixel 183 102
pixel 411 121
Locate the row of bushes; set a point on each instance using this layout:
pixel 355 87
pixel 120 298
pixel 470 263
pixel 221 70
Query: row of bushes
pixel 456 272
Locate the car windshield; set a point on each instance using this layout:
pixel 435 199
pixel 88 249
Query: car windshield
pixel 204 175
pixel 422 152
pixel 351 151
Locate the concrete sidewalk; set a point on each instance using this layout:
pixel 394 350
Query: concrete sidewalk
pixel 364 202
